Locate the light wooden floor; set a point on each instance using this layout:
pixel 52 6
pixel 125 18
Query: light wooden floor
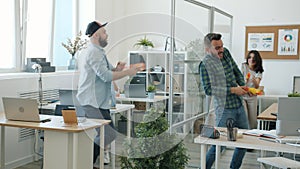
pixel 250 160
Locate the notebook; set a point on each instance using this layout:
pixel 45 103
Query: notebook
pixel 22 109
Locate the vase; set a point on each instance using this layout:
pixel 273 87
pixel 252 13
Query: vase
pixel 72 63
pixel 145 48
pixel 151 95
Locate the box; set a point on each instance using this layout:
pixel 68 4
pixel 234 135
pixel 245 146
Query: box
pixel 140 105
pixel 46 66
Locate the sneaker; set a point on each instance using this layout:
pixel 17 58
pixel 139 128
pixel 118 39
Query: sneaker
pixel 96 164
pixel 106 160
pixel 106 157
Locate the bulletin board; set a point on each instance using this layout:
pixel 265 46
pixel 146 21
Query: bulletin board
pixel 284 45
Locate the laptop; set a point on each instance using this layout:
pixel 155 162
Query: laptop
pixel 288 117
pixel 22 109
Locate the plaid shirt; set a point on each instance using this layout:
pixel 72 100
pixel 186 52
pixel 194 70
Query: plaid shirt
pixel 218 76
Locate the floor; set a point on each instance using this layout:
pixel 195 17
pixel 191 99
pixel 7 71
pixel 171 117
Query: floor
pixel 249 162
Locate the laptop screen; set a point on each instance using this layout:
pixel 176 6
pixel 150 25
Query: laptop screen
pixel 288 118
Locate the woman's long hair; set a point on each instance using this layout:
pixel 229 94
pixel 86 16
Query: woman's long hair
pixel 258 61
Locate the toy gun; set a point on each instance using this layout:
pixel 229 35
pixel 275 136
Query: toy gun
pixel 248 76
pixel 139 66
pixel 254 90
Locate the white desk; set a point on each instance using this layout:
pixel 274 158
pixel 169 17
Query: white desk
pixel 130 99
pixel 113 111
pixel 65 146
pixel 120 108
pixel 249 142
pixel 146 100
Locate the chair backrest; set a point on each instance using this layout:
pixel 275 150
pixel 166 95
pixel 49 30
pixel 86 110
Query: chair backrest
pixel 60 107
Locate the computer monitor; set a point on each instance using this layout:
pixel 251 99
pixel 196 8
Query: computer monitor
pixel 296 84
pixel 288 117
pixel 136 58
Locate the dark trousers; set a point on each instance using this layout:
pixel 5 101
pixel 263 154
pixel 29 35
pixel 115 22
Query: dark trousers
pixel 109 130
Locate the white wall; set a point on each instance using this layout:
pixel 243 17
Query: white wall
pixel 278 75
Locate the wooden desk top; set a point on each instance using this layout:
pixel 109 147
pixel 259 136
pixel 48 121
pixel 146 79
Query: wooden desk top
pixel 56 124
pixel 266 115
pixel 250 142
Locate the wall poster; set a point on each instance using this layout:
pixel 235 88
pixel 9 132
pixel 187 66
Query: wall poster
pixel 273 41
pixel 261 41
pixel 287 41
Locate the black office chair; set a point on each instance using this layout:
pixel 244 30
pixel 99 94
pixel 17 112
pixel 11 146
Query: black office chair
pixel 60 107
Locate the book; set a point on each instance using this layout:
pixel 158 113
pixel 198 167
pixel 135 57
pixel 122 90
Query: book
pixel 263 133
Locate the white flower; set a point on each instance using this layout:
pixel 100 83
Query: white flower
pixel 76 45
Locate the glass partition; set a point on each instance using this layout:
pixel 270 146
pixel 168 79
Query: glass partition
pixel 176 29
pixel 223 25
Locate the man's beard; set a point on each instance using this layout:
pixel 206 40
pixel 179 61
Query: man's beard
pixel 102 42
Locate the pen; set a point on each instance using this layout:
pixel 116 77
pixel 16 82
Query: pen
pixel 267 139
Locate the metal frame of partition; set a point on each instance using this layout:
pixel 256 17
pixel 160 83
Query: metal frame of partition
pixel 211 26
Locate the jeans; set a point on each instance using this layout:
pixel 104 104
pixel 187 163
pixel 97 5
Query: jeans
pixel 109 130
pixel 240 121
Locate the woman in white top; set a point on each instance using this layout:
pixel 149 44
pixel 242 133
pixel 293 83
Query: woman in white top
pixel 252 70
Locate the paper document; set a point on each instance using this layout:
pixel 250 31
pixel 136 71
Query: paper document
pixel 262 133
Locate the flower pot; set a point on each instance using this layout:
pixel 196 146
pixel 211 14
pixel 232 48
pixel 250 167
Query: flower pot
pixel 145 48
pixel 151 95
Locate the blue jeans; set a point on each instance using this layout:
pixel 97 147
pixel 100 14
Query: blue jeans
pixel 240 121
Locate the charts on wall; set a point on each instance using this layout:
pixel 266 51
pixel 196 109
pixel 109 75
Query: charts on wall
pixel 261 41
pixel 287 41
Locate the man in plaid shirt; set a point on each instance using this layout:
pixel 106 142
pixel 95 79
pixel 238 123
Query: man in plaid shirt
pixel 222 79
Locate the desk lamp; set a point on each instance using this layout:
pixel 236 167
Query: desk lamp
pixel 38 69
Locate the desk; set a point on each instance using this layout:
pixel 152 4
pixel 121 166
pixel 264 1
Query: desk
pixel 65 146
pixel 266 116
pixel 123 108
pixel 113 111
pixel 249 142
pixel 146 99
pixel 120 108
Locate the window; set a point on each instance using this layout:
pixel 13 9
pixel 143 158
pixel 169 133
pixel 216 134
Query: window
pixel 38 32
pixel 7 34
pixel 36 29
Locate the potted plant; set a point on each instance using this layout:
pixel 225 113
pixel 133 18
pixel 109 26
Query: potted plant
pixel 296 94
pixel 151 89
pixel 73 46
pixel 145 43
pixel 154 146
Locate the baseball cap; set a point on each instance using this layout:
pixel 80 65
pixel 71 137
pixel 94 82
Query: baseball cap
pixel 93 27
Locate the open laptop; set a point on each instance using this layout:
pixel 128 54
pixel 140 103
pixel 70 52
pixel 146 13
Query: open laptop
pixel 288 118
pixel 22 109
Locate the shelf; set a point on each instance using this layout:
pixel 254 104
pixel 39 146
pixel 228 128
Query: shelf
pixel 183 73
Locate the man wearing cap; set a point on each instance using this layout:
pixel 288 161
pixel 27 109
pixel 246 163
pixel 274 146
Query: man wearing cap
pixel 96 76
